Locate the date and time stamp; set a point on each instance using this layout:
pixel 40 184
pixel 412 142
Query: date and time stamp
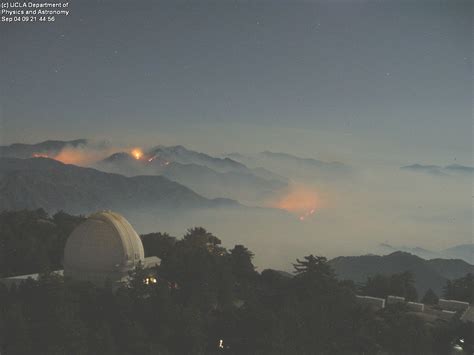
pixel 32 12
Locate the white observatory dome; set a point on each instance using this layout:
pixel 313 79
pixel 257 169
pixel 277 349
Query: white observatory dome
pixel 104 247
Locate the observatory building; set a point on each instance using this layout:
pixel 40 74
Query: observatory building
pixel 102 250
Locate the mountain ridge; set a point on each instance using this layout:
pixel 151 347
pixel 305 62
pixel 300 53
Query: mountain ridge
pixel 52 185
pixel 438 170
pixel 428 273
pixel 463 251
pixel 242 184
pixel 24 150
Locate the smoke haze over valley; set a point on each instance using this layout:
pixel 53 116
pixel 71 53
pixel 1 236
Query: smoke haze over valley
pixel 278 204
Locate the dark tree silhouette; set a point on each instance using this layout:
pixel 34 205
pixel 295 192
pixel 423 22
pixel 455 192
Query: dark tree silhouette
pixel 461 289
pixel 158 244
pixel 206 300
pixel 430 297
pixel 399 284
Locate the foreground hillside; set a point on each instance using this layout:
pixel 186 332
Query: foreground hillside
pixel 207 299
pixel 428 273
pixel 49 184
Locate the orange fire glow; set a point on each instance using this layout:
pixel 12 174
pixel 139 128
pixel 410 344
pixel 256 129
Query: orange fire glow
pixel 300 200
pixel 66 156
pixel 71 156
pixel 307 214
pixel 81 156
pixel 40 155
pixel 137 153
pixel 161 162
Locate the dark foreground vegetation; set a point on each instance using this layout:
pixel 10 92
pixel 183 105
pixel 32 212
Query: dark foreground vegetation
pixel 206 300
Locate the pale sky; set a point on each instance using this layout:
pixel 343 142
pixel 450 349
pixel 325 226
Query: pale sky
pixel 341 77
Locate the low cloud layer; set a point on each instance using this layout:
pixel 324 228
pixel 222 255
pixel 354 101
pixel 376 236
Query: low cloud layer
pixel 449 170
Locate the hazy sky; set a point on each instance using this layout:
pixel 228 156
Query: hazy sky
pixel 369 80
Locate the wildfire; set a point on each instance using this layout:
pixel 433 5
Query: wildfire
pixel 300 200
pixel 81 156
pixel 161 162
pixel 307 214
pixel 137 153
pixel 40 155
pixel 72 156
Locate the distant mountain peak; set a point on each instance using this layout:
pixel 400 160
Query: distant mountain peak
pixel 428 273
pixel 448 170
pixel 48 147
pixel 464 251
pixel 183 155
pixel 210 176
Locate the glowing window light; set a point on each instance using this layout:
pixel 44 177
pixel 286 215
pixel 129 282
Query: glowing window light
pixel 150 280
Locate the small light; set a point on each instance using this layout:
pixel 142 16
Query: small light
pixel 221 344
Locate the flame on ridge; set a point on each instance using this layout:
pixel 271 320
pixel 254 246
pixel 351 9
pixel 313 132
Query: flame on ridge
pixel 137 153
